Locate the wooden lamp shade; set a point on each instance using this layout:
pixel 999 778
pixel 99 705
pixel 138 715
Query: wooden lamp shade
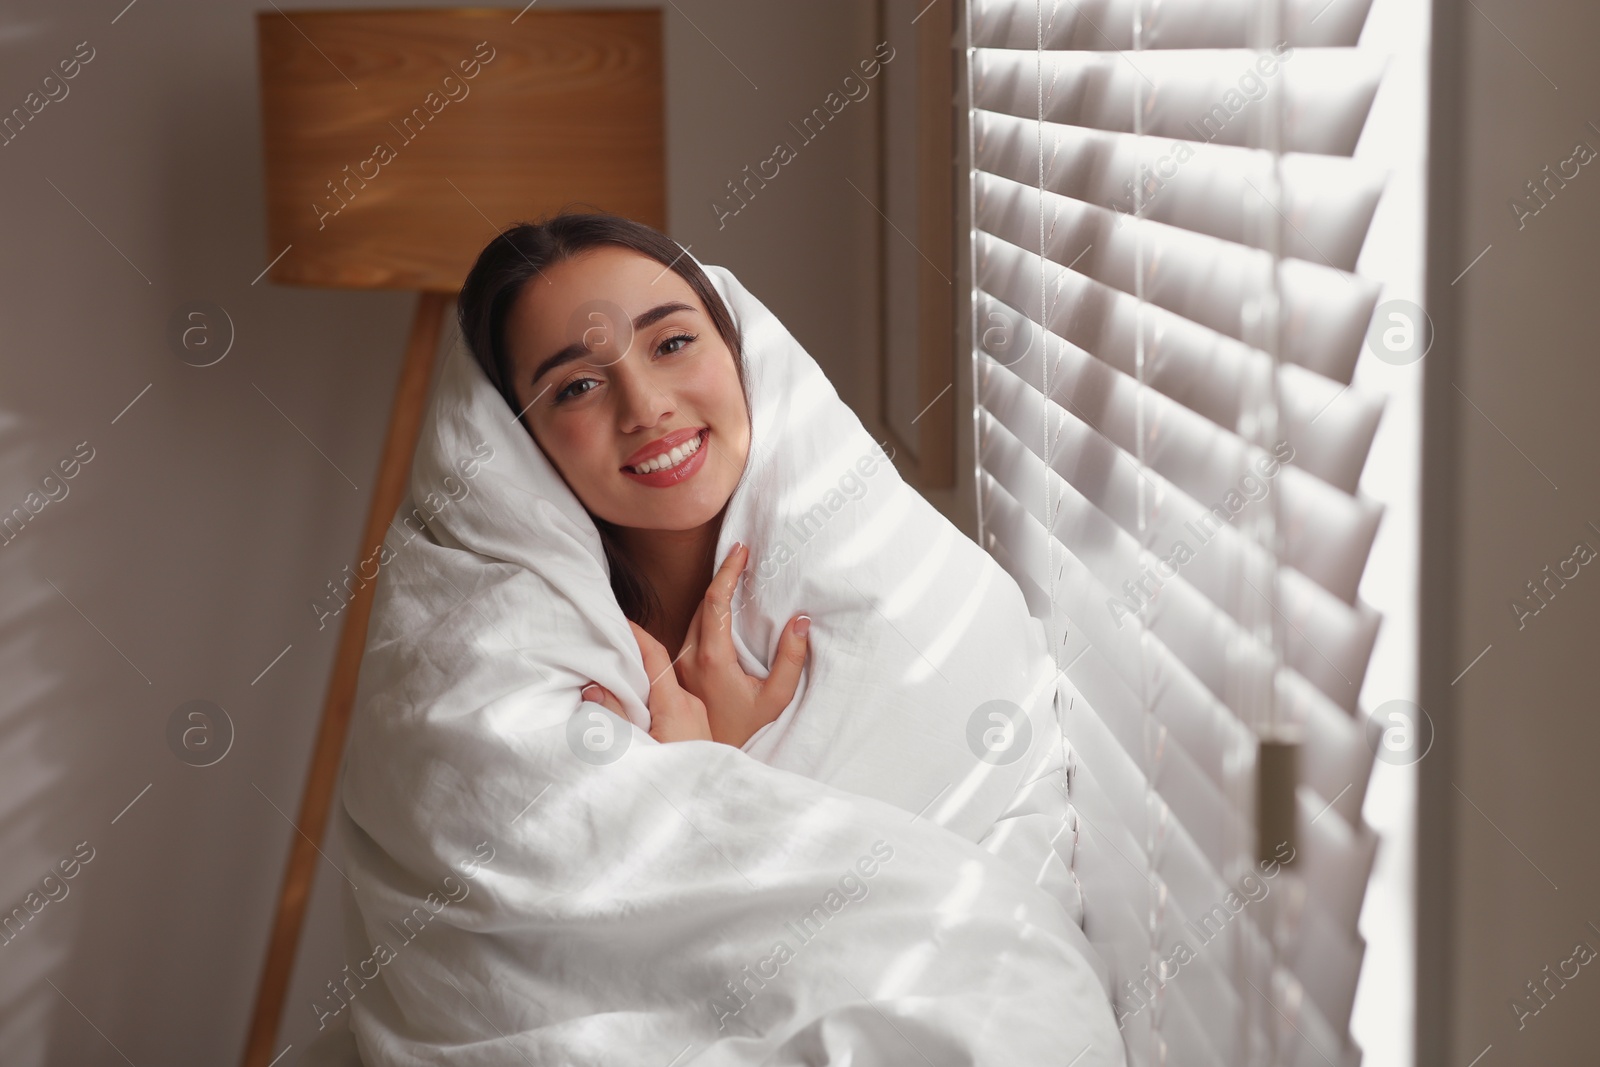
pixel 397 144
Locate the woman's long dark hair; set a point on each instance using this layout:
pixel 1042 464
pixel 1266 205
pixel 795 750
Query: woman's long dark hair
pixel 496 280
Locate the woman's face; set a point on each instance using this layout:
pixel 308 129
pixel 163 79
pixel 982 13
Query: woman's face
pixel 629 389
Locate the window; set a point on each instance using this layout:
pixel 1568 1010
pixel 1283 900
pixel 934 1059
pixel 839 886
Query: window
pixel 1166 318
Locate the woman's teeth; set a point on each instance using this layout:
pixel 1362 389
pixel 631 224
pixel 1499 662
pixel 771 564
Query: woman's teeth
pixel 670 459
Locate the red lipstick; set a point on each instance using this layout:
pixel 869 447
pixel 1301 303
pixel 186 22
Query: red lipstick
pixel 669 476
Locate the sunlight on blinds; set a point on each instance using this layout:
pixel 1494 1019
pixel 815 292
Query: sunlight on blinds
pixel 1166 220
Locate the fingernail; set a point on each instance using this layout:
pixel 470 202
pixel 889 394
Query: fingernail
pixel 591 687
pixel 802 625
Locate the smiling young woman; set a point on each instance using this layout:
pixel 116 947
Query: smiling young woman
pixel 625 367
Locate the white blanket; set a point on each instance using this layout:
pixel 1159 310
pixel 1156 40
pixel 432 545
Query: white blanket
pixel 881 876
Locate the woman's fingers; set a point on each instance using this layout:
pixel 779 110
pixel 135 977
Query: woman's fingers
pixel 713 624
pixel 675 715
pixel 708 643
pixel 656 660
pixel 599 694
pixel 784 678
pixel 723 583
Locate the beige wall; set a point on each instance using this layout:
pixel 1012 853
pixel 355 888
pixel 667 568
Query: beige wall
pixel 1508 865
pixel 187 550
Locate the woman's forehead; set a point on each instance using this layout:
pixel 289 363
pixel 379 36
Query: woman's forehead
pixel 609 271
pixel 561 302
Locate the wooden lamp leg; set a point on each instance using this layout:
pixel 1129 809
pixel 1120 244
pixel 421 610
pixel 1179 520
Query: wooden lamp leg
pixel 394 468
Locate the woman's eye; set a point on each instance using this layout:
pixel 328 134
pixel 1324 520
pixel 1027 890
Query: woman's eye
pixel 685 338
pixel 571 389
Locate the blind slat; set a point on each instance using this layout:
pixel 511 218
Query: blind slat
pixel 1171 24
pixel 1201 187
pixel 1329 310
pixel 1328 90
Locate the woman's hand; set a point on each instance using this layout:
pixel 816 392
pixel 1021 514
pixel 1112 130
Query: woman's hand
pixel 674 714
pixel 737 705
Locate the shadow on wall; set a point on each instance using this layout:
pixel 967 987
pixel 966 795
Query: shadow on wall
pixel 176 564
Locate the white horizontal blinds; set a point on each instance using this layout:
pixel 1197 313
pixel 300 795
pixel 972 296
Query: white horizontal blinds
pixel 1165 224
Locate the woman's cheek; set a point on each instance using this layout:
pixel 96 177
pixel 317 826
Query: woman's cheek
pixel 590 448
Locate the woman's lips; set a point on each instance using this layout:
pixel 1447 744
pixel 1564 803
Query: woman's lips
pixel 663 445
pixel 671 476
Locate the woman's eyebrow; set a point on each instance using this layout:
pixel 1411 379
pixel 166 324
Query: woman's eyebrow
pixel 578 349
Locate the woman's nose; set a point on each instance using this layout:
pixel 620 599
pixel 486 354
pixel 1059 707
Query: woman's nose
pixel 642 403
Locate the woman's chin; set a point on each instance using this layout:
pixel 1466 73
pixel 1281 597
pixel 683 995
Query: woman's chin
pixel 655 512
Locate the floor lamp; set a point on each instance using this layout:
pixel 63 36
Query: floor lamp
pixel 397 143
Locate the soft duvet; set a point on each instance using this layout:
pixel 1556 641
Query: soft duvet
pixel 880 876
